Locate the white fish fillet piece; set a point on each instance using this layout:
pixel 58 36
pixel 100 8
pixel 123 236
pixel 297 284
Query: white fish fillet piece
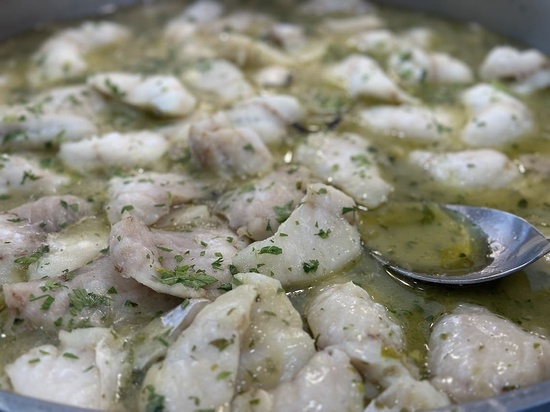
pixel 269 116
pixel 93 295
pixel 25 176
pixel 526 70
pixel 63 56
pixel 276 345
pixel 495 117
pixel 219 78
pixel 476 354
pixel 344 316
pixel 257 209
pixel 345 160
pixel 160 94
pixel 126 150
pixel 25 230
pixel 82 371
pixel 327 382
pixel 346 312
pixel 362 76
pixel 414 66
pixel 152 257
pixel 476 169
pixel 148 196
pixel 205 356
pixel 230 152
pixel 316 240
pixel 417 123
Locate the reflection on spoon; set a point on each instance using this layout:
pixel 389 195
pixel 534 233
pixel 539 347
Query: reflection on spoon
pixel 512 243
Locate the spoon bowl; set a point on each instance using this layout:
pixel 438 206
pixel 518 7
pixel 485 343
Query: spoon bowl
pixel 513 243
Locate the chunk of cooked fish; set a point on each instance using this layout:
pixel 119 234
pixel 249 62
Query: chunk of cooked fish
pixel 245 21
pixel 70 249
pixel 230 152
pixel 19 239
pixel 60 114
pixel 219 78
pixel 362 76
pixel 527 70
pixel 345 160
pixel 275 346
pixel 160 94
pixel 194 16
pixel 23 128
pixel 414 65
pixel 148 196
pixel 25 176
pixel 346 312
pixel 408 393
pixel 93 295
pixel 344 316
pixel 289 37
pixel 125 150
pixel 187 264
pixel 316 241
pixel 273 76
pixel 150 343
pixel 247 51
pixel 384 42
pixel 257 209
pixel 24 231
pixel 80 99
pixel 474 354
pixel 418 123
pixel 205 356
pixel 85 370
pixel 350 25
pixel 328 382
pixel 267 115
pixel 495 117
pixel 53 213
pixel 63 57
pixel 475 169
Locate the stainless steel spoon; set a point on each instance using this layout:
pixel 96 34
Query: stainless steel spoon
pixel 513 244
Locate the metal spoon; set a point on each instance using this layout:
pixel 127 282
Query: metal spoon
pixel 513 244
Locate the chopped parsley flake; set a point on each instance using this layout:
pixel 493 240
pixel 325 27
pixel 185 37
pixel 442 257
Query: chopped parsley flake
pixel 155 402
pixel 126 208
pixel 223 375
pixel 186 275
pixel 323 234
pixel 26 261
pixel 311 266
pixel 283 212
pixel 221 343
pixel 271 250
pixel 81 298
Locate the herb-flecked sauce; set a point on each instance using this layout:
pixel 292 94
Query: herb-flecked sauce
pixel 523 297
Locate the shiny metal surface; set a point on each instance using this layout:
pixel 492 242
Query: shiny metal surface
pixel 514 243
pixel 526 21
pixel 523 20
pixel 17 16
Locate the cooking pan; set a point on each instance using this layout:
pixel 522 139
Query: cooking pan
pixel 525 21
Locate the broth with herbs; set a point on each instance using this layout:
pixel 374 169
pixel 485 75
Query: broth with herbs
pixel 189 191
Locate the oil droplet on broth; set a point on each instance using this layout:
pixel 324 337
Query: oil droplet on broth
pixel 425 238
